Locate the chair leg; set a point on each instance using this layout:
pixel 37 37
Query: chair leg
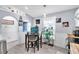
pixel 25 44
pixel 37 45
pixel 41 43
pixel 34 47
pixel 31 44
pixel 28 47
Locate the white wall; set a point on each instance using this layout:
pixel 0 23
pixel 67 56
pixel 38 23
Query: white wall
pixel 77 18
pixel 42 21
pixel 13 29
pixel 9 28
pixel 40 25
pixel 21 33
pixel 10 32
pixel 61 32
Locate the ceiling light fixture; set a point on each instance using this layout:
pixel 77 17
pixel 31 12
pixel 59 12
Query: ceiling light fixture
pixel 44 5
pixel 44 14
pixel 26 8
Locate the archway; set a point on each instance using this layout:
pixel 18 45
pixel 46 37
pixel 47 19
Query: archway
pixel 10 32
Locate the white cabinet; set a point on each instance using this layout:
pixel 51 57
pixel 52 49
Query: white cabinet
pixel 76 22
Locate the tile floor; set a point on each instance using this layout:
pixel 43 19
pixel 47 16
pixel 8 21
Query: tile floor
pixel 20 49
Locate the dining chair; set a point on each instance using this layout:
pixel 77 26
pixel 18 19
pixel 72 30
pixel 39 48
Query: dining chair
pixel 32 40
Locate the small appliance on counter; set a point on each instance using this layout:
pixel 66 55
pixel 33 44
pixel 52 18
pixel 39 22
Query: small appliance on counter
pixel 76 33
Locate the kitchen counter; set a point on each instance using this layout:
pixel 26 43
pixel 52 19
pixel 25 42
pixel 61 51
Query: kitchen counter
pixel 72 36
pixel 74 47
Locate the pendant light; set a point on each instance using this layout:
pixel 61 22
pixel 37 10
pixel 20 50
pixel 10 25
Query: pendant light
pixel 44 14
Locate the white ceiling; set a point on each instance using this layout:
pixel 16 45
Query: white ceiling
pixel 39 10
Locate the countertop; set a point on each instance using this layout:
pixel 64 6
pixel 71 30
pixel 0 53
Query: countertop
pixel 74 47
pixel 72 36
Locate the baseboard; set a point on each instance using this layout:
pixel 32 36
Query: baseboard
pixel 44 43
pixel 48 44
pixel 51 44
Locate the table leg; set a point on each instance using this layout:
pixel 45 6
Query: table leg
pixel 28 46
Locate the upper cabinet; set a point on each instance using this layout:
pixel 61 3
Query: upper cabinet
pixel 77 18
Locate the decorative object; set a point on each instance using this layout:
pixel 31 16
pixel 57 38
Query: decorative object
pixel 7 22
pixel 37 21
pixel 20 21
pixel 48 36
pixel 58 20
pixel 20 17
pixel 65 24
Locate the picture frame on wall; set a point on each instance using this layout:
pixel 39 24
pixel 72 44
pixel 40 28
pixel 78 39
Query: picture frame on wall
pixel 20 21
pixel 65 24
pixel 37 21
pixel 58 20
pixel 20 17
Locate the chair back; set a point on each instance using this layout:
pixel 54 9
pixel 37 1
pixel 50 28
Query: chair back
pixel 32 37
